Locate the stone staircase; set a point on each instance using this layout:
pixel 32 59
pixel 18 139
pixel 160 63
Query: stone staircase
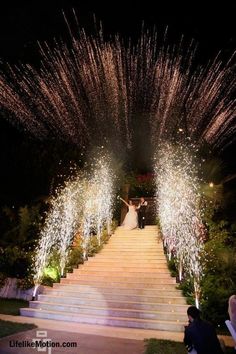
pixel 127 284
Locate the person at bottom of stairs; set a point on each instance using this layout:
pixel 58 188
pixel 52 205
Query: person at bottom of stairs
pixel 200 336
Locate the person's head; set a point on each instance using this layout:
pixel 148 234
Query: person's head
pixel 232 303
pixel 193 313
pixel 130 202
pixel 232 299
pixel 142 199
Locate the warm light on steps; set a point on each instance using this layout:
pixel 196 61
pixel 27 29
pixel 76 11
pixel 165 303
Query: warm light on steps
pixel 127 280
pixel 114 312
pixel 171 287
pixel 113 303
pixel 108 320
pixel 127 297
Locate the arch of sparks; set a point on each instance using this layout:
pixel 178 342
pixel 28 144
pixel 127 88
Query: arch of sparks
pixel 97 90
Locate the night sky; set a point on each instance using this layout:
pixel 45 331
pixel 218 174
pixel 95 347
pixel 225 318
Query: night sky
pixel 213 27
pixel 21 26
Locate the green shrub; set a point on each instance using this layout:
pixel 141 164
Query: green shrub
pixel 172 267
pixel 47 280
pixel 15 262
pixel 8 328
pixel 187 288
pixel 52 271
pixel 159 346
pixel 75 258
pixel 25 283
pixel 114 225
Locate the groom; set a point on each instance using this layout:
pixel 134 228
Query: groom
pixel 141 208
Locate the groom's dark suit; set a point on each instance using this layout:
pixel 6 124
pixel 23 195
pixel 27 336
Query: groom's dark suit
pixel 142 214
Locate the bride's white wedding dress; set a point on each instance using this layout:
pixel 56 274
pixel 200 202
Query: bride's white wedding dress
pixel 131 219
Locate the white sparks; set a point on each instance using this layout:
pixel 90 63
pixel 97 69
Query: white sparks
pixel 84 204
pixel 178 208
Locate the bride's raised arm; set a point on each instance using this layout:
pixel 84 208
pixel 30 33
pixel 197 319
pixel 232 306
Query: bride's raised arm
pixel 124 201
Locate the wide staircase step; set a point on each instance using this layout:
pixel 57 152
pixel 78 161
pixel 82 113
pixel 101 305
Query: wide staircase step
pixel 141 290
pixel 173 326
pixel 113 303
pixel 127 284
pixel 120 295
pixel 112 311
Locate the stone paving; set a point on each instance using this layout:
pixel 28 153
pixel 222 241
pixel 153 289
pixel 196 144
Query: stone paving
pixel 90 339
pixel 82 343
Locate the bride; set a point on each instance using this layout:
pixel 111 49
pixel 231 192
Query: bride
pixel 131 219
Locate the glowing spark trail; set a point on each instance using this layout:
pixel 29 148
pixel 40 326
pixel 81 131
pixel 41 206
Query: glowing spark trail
pixel 96 88
pixel 98 205
pixel 93 90
pixel 60 225
pixel 85 204
pixel 178 207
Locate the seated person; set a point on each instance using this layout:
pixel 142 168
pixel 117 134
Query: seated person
pixel 200 335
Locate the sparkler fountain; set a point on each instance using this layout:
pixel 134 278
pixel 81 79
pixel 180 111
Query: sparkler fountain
pixel 60 225
pixel 98 200
pixel 96 90
pixel 84 203
pixel 178 206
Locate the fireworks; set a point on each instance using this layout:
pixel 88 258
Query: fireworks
pixel 178 207
pixel 84 204
pixel 60 225
pixel 97 89
pixel 97 210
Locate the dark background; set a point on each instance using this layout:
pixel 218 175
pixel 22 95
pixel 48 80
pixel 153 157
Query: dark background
pixel 211 25
pixel 23 161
